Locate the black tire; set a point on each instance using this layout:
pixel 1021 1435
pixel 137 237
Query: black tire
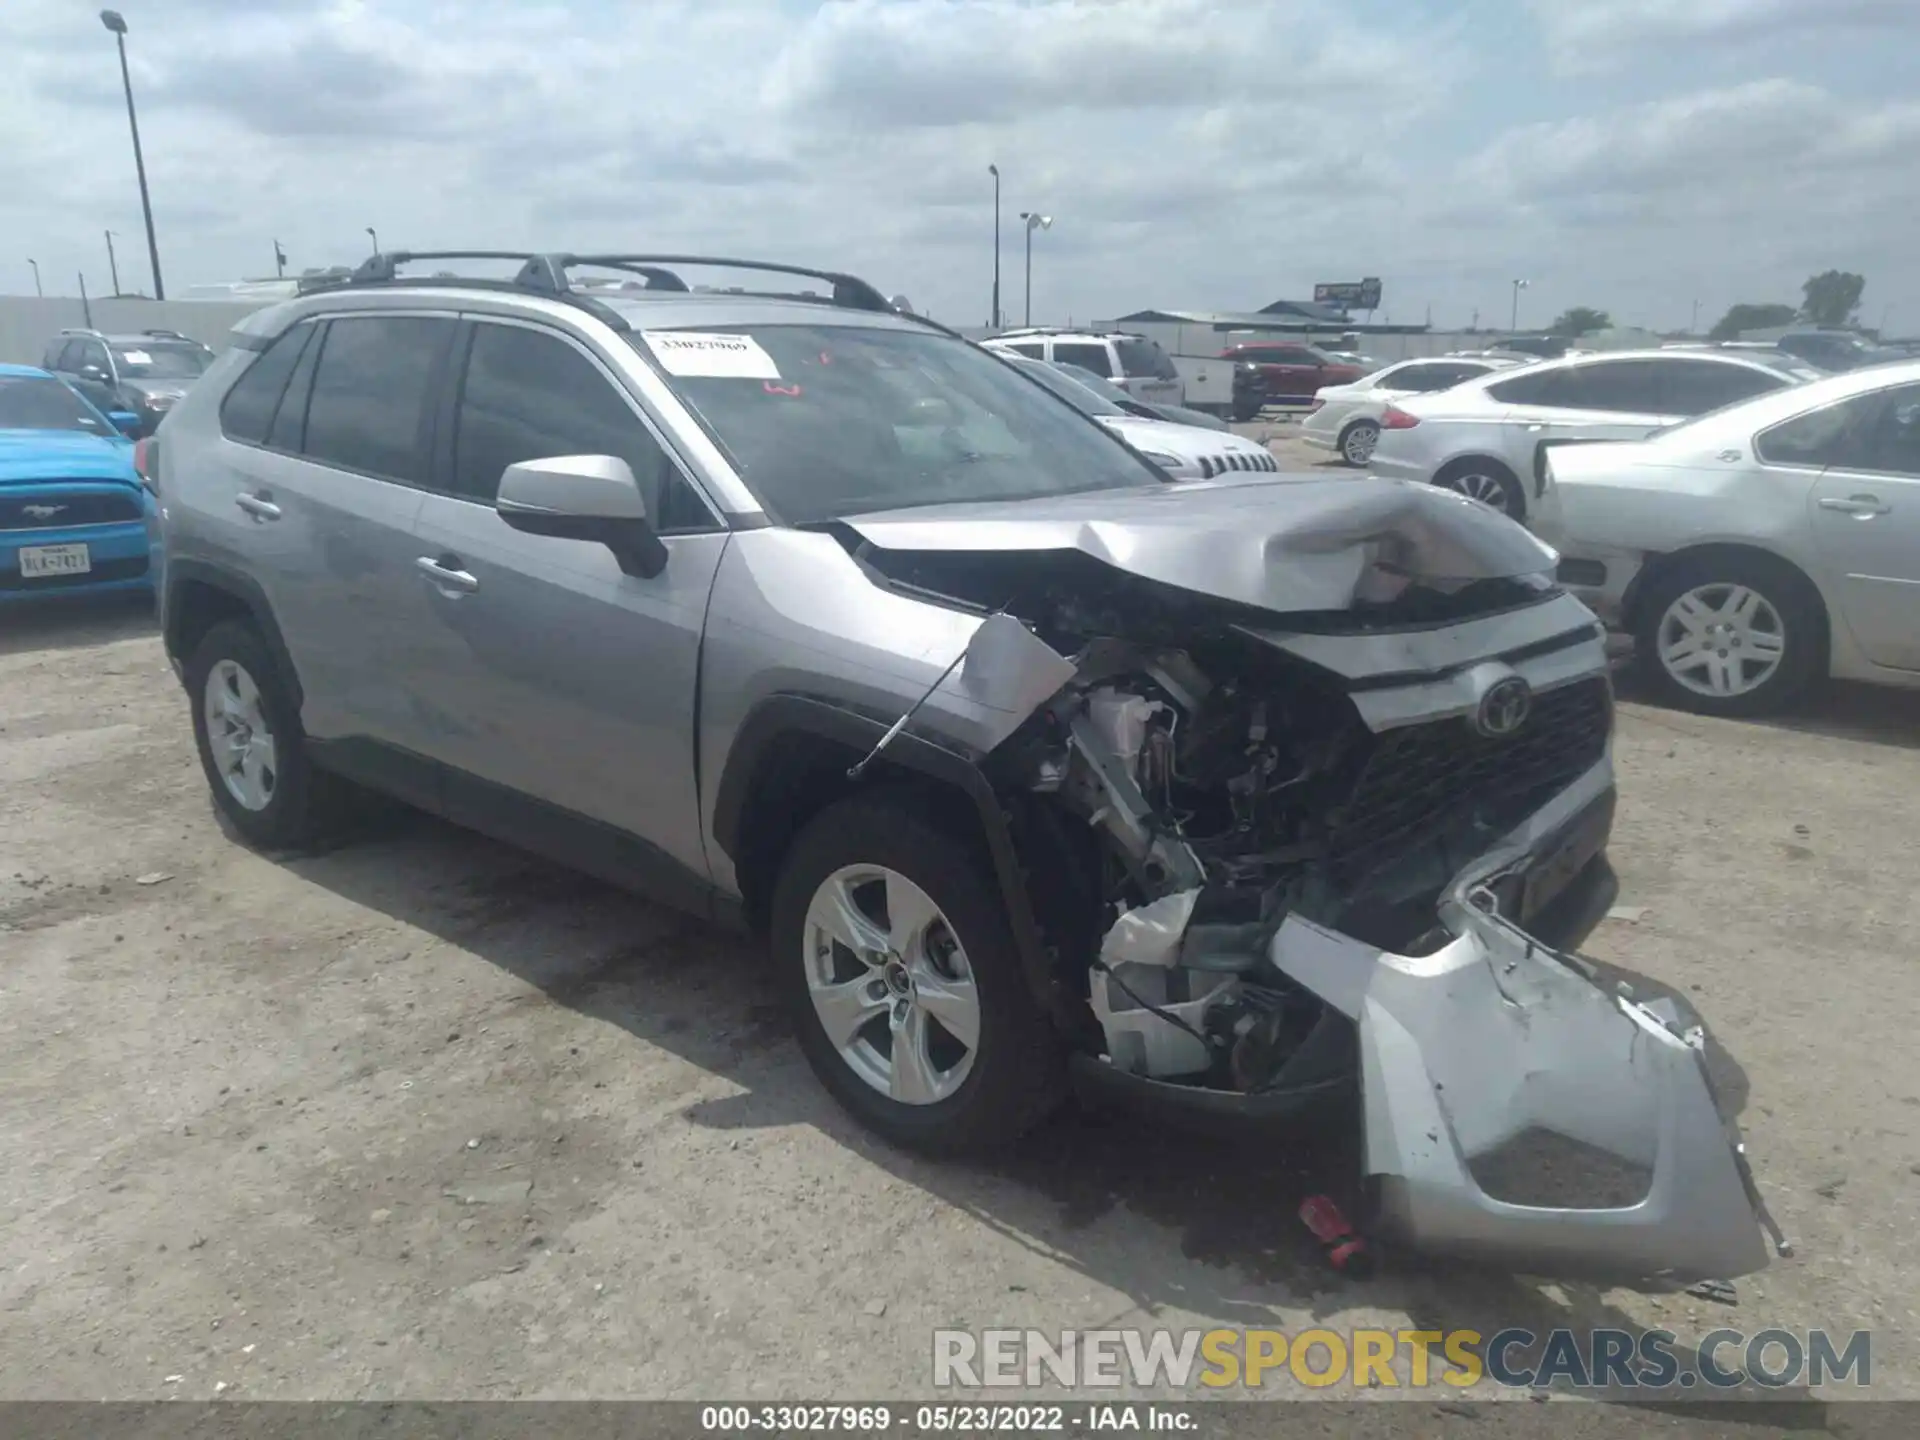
pixel 304 801
pixel 1793 599
pixel 1017 1078
pixel 1347 438
pixel 1513 495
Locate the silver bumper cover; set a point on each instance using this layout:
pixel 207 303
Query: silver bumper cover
pixel 1493 1038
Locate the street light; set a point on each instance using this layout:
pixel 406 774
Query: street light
pixel 113 21
pixel 995 321
pixel 36 276
pixel 113 266
pixel 1513 322
pixel 1034 222
pixel 375 238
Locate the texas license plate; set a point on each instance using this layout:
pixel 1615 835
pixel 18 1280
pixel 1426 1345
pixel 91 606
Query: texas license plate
pixel 38 561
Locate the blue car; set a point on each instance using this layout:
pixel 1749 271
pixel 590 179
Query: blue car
pixel 74 515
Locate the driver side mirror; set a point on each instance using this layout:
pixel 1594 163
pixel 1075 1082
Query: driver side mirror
pixel 126 422
pixel 92 372
pixel 583 497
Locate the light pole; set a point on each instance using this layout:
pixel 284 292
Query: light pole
pixel 375 238
pixel 36 276
pixel 995 321
pixel 113 266
pixel 1694 327
pixel 113 21
pixel 1034 222
pixel 1513 321
pixel 279 259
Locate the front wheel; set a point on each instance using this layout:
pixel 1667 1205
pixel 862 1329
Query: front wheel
pixel 1729 635
pixel 891 942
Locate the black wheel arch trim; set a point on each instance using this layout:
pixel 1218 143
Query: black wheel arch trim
pixel 782 715
pixel 243 588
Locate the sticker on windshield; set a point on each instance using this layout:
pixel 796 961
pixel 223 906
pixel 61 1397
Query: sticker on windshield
pixel 700 354
pixel 136 357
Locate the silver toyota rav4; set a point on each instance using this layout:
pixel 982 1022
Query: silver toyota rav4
pixel 1228 798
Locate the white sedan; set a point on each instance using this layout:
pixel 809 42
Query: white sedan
pixel 1346 418
pixel 1758 548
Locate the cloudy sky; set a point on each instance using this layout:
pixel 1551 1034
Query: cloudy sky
pixel 1635 155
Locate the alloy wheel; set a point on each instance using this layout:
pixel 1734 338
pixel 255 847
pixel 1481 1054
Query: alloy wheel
pixel 891 985
pixel 1721 640
pixel 1358 445
pixel 239 735
pixel 1487 489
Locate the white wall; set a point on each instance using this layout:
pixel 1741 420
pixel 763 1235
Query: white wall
pixel 28 322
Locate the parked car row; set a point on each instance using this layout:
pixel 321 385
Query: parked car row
pixel 143 373
pixel 1752 524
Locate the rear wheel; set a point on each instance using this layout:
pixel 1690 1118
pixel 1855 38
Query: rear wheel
pixel 891 942
pixel 1731 635
pixel 1357 442
pixel 247 731
pixel 1487 481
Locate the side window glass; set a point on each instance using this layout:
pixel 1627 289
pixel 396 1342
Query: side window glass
pixel 1542 389
pixel 1627 386
pixel 246 414
pixel 1832 435
pixel 529 396
pixel 1896 439
pixel 1032 351
pixel 1086 356
pixel 1419 379
pixel 92 352
pixel 289 429
pixel 368 410
pixel 1698 387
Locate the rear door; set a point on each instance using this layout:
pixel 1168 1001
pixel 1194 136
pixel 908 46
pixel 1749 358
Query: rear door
pixel 326 492
pixel 1866 521
pixel 547 674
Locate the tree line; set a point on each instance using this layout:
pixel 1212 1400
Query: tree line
pixel 1829 298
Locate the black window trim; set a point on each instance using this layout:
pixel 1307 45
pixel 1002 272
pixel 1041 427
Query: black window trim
pixel 314 324
pixel 447 408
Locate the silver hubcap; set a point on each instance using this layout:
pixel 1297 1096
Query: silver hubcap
pixel 1359 444
pixel 1487 489
pixel 1721 640
pixel 891 984
pixel 239 736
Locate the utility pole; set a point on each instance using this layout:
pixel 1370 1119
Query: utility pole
pixel 1513 322
pixel 86 307
pixel 36 276
pixel 114 22
pixel 279 260
pixel 994 322
pixel 113 267
pixel 1033 222
pixel 1694 327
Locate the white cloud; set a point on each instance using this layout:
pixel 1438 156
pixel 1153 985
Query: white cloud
pixel 1586 35
pixel 1207 153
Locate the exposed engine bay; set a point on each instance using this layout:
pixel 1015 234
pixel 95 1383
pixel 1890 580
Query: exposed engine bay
pixel 1277 855
pixel 1192 785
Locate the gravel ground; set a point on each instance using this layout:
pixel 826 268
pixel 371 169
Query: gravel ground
pixel 423 1117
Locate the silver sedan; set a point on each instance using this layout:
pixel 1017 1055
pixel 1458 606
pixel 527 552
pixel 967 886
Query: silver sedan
pixel 1758 548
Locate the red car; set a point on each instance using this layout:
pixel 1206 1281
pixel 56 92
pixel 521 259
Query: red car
pixel 1285 370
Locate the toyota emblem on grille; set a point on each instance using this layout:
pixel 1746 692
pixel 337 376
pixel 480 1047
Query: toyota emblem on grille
pixel 41 512
pixel 1504 708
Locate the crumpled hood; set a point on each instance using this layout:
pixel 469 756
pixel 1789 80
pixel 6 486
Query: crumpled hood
pixel 63 455
pixel 1280 542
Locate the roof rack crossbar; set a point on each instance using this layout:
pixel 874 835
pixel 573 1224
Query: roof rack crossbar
pixel 849 291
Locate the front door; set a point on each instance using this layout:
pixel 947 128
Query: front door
pixel 1866 518
pixel 557 687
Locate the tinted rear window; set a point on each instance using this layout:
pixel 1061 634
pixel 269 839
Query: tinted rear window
pixel 369 406
pixel 1145 359
pixel 247 412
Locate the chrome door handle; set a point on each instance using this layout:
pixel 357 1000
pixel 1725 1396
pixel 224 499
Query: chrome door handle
pixel 1861 507
pixel 257 506
pixel 445 577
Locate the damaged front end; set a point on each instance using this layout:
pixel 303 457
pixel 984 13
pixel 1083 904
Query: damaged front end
pixel 1282 850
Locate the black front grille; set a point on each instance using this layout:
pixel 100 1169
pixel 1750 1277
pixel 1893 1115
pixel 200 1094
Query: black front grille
pixel 70 507
pixel 1415 777
pixel 103 570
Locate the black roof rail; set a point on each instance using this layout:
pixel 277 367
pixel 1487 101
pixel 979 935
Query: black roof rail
pixel 545 273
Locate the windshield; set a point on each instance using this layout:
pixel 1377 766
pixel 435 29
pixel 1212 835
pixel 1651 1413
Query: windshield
pixel 826 421
pixel 39 402
pixel 162 360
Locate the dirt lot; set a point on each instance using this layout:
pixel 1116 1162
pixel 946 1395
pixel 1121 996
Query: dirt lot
pixel 424 1117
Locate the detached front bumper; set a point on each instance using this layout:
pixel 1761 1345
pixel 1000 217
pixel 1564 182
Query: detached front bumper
pixel 1496 1042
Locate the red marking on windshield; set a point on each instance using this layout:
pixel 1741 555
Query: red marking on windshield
pixel 773 389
